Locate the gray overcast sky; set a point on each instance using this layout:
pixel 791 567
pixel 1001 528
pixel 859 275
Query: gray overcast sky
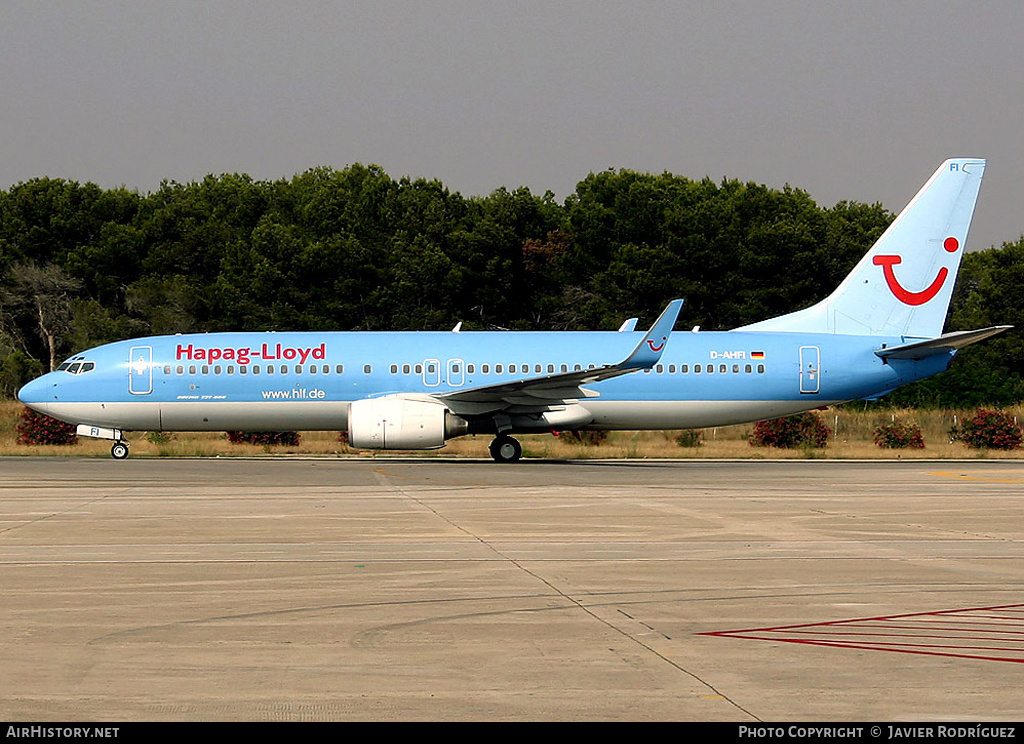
pixel 855 100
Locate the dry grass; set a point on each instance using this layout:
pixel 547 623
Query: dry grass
pixel 852 439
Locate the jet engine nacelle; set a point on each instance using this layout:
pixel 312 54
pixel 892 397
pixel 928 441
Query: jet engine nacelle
pixel 402 423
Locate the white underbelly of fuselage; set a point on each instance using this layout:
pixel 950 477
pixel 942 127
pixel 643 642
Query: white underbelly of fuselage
pixel 207 416
pixel 324 415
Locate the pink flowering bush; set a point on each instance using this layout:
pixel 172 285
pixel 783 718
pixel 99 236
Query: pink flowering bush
pixel 801 430
pixel 989 429
pixel 898 435
pixel 38 428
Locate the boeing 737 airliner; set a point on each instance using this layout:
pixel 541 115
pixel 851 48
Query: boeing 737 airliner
pixel 880 329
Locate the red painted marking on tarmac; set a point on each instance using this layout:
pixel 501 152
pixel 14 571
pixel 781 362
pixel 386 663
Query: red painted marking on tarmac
pixel 986 633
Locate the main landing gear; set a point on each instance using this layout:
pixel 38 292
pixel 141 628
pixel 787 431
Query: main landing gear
pixel 119 450
pixel 505 449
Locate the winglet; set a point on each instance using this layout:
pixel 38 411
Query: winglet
pixel 648 351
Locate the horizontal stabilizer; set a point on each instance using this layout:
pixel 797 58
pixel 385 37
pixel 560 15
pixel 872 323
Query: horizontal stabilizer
pixel 941 345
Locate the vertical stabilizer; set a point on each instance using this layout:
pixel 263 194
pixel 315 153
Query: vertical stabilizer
pixel 903 286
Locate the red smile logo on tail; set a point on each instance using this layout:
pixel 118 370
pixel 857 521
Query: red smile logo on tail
pixel 905 296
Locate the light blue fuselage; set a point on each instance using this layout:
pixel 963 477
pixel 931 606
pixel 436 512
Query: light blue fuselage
pixel 304 381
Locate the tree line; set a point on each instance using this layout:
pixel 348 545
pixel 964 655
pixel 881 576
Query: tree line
pixel 354 249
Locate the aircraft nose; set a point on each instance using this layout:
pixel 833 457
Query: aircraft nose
pixel 36 394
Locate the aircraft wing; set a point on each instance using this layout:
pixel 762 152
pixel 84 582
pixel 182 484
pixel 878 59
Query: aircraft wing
pixel 556 389
pixel 942 345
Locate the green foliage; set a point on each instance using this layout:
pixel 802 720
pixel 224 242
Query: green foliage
pixel 160 437
pixel 38 428
pixel 586 438
pixel 17 368
pixel 801 430
pixel 899 435
pixel 989 429
pixel 690 438
pixel 36 303
pixel 265 438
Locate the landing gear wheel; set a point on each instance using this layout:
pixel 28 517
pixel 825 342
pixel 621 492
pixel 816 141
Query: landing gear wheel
pixel 119 451
pixel 505 449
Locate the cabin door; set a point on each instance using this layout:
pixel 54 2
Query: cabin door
pixel 456 372
pixel 810 369
pixel 431 372
pixel 140 370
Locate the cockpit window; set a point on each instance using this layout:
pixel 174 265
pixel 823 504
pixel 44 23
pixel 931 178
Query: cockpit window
pixel 76 368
